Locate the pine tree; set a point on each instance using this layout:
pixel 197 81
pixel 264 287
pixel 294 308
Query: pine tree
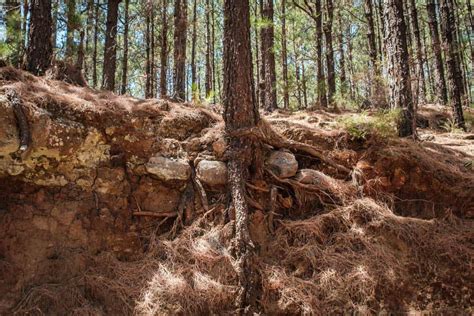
pixel 399 70
pixel 110 48
pixel 39 54
pixel 180 30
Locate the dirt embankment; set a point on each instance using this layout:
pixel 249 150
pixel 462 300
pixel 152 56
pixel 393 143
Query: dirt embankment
pixel 118 206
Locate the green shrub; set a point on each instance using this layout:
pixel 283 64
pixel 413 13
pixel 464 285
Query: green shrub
pixel 362 125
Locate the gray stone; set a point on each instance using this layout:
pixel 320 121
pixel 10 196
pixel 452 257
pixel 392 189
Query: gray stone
pixel 168 169
pixel 310 176
pixel 283 164
pixel 211 172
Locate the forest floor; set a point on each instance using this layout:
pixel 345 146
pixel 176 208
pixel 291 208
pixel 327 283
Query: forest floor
pixel 111 210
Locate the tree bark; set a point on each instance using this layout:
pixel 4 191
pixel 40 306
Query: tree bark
pixel 88 27
pixel 438 71
pixel 40 47
pixel 110 48
pixel 80 52
pixel 194 85
pixel 164 49
pixel 297 71
pixel 71 27
pixel 342 58
pixel 209 81
pixel 152 53
pixel 240 111
pixel 303 83
pixel 261 83
pixel 148 68
pixel 268 32
pixel 329 51
pixel 374 67
pixel 96 39
pixel 320 78
pixel 399 70
pixel 284 56
pixel 419 53
pixel 123 89
pixel 453 71
pixel 180 30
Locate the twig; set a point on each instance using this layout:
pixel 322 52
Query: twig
pixel 154 214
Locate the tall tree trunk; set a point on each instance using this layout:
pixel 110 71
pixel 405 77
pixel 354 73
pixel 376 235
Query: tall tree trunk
pixel 55 7
pixel 431 88
pixel 13 30
pixel 399 70
pixel 24 27
pixel 284 56
pixel 453 71
pixel 438 71
pixel 148 68
pixel 470 30
pixel 110 48
pixel 351 63
pixel 71 26
pixel 269 56
pixel 378 20
pixel 342 58
pixel 40 47
pixel 320 77
pixel 240 111
pixel 419 53
pixel 216 79
pixel 96 39
pixel 180 30
pixel 297 70
pixel 123 89
pixel 88 27
pixel 164 49
pixel 257 57
pixel 329 51
pixel 374 67
pixel 209 82
pixel 80 52
pixel 261 84
pixel 303 80
pixel 152 53
pixel 194 86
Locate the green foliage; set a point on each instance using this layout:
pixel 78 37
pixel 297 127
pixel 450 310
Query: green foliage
pixel 450 126
pixel 362 125
pixel 469 119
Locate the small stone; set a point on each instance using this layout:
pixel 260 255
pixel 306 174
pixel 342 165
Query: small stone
pixel 283 164
pixel 167 169
pixel 212 173
pixel 310 176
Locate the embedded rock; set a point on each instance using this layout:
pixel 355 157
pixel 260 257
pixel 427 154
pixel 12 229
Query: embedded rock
pixel 283 164
pixel 310 176
pixel 212 173
pixel 167 169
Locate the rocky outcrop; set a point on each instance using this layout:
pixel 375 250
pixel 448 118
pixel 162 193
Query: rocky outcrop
pixel 95 160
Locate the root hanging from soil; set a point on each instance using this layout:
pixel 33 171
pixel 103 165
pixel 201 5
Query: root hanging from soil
pixel 22 121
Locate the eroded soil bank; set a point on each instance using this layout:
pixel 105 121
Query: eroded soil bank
pixel 119 206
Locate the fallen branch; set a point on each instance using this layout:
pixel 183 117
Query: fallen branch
pixel 153 214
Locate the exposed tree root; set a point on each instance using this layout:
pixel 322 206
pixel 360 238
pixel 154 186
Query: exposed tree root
pixel 266 134
pixel 25 135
